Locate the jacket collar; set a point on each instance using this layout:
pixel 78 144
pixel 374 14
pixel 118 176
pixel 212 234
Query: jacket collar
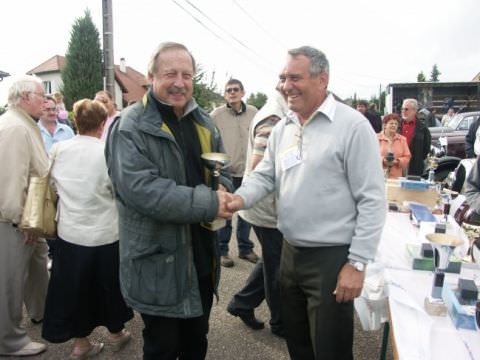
pixel 151 120
pixel 243 108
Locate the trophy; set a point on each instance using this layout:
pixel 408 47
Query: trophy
pixel 473 233
pixel 215 162
pixel 443 246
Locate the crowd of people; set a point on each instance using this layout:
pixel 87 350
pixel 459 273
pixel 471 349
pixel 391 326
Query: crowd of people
pixel 134 196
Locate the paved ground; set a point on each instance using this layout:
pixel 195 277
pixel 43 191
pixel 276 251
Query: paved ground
pixel 229 338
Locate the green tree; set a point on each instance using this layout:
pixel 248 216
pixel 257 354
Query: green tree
pixel 421 77
pixel 82 74
pixel 435 74
pixel 205 94
pixel 258 100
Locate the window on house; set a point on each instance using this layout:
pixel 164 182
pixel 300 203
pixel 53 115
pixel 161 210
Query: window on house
pixel 47 86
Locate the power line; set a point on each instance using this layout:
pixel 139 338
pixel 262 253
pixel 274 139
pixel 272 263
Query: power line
pixel 198 20
pixel 254 60
pixel 241 43
pixel 280 43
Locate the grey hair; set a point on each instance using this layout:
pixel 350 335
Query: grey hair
pixel 412 102
pixel 22 85
pixel 153 64
pixel 318 60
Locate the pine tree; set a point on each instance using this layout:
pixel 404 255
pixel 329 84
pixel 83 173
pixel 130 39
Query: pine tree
pixel 421 77
pixel 82 74
pixel 435 74
pixel 258 100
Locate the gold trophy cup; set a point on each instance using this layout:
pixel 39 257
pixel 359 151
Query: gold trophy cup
pixel 215 162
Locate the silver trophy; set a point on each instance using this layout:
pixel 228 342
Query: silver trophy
pixel 443 246
pixel 215 162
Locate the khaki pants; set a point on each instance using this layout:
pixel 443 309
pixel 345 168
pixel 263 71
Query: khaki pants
pixel 15 258
pixel 36 280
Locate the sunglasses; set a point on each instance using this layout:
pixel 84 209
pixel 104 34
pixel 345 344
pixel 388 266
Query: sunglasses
pixel 231 90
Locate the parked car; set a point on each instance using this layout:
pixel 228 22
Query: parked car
pixel 455 133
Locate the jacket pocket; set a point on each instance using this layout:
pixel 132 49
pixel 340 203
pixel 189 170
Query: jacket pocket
pixel 155 280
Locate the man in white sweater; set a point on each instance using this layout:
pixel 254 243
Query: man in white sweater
pixel 331 208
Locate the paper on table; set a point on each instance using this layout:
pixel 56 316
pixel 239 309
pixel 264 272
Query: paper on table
pixel 412 329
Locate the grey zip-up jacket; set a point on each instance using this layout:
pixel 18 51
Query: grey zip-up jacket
pixel 157 273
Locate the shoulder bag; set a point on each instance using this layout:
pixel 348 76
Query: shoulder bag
pixel 39 211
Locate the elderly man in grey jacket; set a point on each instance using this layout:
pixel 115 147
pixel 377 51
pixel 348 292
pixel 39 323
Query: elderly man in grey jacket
pixel 168 261
pixel 331 208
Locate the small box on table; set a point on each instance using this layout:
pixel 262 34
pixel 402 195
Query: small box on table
pixel 463 316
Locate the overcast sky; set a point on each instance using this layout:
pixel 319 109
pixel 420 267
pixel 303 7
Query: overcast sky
pixel 369 43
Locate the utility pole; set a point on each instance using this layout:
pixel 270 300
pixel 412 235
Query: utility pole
pixel 108 64
pixel 380 99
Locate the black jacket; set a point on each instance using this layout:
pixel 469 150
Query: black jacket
pixel 420 146
pixel 470 139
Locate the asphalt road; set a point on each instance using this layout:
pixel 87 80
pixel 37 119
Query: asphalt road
pixel 229 338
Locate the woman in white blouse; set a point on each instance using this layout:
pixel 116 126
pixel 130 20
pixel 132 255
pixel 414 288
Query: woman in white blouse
pixel 84 290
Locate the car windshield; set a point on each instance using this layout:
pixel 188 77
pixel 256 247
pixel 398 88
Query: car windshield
pixel 455 121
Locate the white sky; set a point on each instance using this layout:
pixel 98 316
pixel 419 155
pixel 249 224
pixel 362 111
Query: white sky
pixel 368 42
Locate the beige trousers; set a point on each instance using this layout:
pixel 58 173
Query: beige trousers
pixel 36 280
pixel 15 259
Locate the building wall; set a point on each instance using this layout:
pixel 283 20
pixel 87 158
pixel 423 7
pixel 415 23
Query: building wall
pixel 52 83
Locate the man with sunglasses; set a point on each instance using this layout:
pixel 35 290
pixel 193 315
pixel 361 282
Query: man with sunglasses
pixel 233 120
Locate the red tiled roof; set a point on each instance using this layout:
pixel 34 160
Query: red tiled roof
pixel 54 64
pixel 133 83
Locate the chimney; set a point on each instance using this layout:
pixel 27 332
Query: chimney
pixel 123 66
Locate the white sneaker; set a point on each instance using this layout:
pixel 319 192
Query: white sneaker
pixel 32 348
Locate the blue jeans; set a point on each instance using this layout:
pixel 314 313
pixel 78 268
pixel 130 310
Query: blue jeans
pixel 263 282
pixel 245 245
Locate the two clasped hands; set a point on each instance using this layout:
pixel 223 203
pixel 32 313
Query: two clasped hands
pixel 228 203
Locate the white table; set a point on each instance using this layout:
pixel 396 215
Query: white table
pixel 416 334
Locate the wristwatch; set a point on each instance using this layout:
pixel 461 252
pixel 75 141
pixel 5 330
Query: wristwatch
pixel 359 266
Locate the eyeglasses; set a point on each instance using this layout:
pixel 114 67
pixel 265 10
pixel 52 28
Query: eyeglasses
pixel 234 89
pixel 49 109
pixel 42 95
pixel 405 109
pixel 300 146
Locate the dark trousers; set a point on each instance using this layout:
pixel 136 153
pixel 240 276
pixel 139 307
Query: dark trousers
pixel 317 327
pixel 263 282
pixel 245 245
pixel 168 338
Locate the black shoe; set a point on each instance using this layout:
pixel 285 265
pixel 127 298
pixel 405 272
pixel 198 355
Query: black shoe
pixel 249 319
pixel 280 332
pixel 36 322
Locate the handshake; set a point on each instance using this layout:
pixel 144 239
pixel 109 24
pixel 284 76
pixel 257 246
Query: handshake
pixel 228 204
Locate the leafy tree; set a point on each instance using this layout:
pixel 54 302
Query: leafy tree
pixel 421 77
pixel 205 94
pixel 82 74
pixel 258 100
pixel 435 74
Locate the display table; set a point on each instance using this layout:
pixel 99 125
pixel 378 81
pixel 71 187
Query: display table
pixel 416 334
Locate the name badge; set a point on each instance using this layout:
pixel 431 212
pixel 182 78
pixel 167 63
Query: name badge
pixel 290 158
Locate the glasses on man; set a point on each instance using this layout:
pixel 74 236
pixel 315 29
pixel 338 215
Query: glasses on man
pixel 232 90
pixel 42 95
pixel 405 109
pixel 300 146
pixel 50 109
